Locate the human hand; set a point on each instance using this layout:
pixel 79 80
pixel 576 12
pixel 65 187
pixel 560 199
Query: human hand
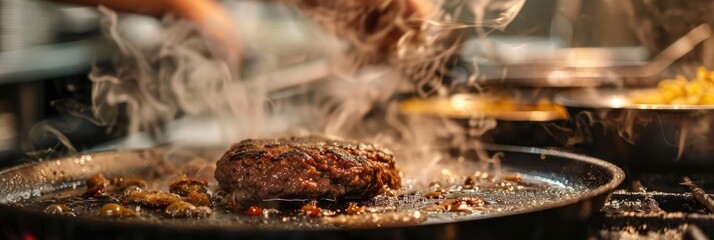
pixel 412 11
pixel 374 27
pixel 214 21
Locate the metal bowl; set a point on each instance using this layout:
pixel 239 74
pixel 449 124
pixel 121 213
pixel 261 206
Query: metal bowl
pixel 643 136
pixel 517 122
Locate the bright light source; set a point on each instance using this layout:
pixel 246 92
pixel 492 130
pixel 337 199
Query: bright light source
pixel 618 102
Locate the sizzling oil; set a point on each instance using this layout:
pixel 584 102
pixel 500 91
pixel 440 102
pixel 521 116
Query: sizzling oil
pixel 426 205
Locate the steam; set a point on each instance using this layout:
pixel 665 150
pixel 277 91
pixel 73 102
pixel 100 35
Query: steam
pixel 390 51
pixel 42 134
pixel 687 132
pixel 181 78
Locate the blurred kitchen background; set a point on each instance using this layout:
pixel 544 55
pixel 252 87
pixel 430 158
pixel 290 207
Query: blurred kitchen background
pixel 47 50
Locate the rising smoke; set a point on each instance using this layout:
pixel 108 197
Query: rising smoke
pixel 395 47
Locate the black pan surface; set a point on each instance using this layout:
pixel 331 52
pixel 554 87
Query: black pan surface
pixel 590 180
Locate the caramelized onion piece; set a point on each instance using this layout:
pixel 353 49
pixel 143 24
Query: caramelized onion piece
pixel 97 192
pixel 60 209
pixel 153 198
pixel 113 210
pixel 97 181
pixel 183 186
pixel 199 199
pixel 131 189
pixel 121 183
pixel 96 186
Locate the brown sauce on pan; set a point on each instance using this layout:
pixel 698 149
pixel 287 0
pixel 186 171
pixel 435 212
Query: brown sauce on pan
pixel 186 201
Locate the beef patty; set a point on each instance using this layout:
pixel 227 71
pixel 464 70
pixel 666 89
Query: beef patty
pixel 306 168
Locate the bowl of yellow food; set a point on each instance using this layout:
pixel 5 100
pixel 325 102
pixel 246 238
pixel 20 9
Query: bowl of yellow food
pixel 492 118
pixel 658 128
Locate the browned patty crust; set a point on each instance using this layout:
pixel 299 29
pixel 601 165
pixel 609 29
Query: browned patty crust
pixel 306 168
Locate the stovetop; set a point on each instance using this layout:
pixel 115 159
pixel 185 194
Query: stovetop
pixel 659 206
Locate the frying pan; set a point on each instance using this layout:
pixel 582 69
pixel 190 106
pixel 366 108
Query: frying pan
pixel 592 179
pixel 650 137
